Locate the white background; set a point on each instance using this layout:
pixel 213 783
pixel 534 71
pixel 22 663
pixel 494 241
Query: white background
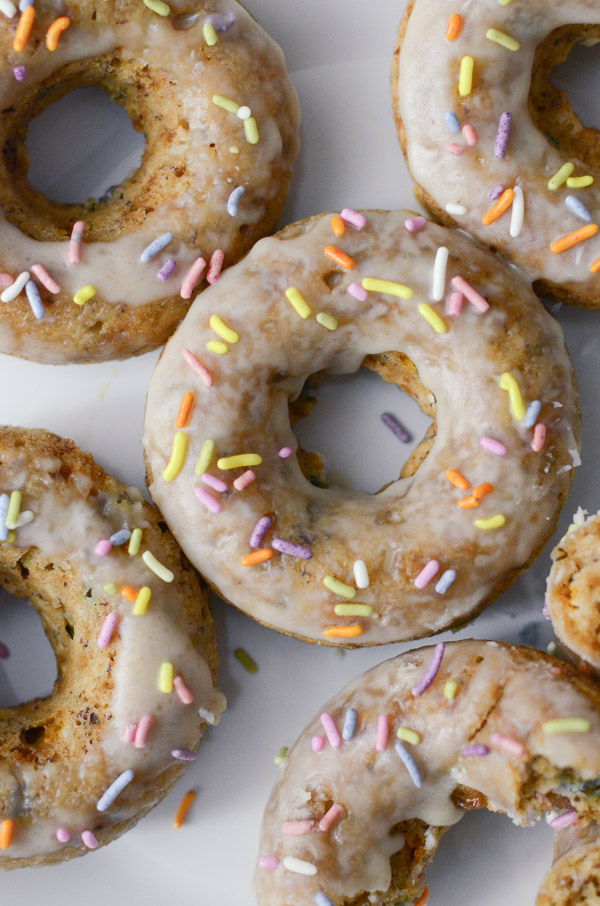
pixel 339 55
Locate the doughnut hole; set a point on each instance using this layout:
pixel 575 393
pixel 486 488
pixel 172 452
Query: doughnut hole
pixel 28 668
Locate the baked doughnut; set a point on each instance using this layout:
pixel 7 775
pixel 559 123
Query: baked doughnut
pixel 574 879
pixel 397 757
pixel 344 567
pixel 120 628
pixel 483 70
pixel 113 277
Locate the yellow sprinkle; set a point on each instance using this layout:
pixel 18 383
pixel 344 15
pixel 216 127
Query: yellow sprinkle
pixel 432 317
pixel 505 2
pixel 110 588
pixel 491 522
pixel 500 37
pixel 327 321
pixel 14 508
pixel 84 295
pixel 339 588
pixel 409 735
pixel 225 332
pixel 559 178
pixel 567 725
pixel 238 462
pixel 134 542
pixel 353 610
pixel 298 302
pixel 225 103
pixel 209 34
pixel 206 454
pixel 387 286
pixel 251 131
pixel 450 689
pixel 157 567
pixel 234 149
pixel 217 347
pixel 141 602
pixel 10 539
pixel 157 6
pixel 165 678
pixel 465 80
pixel 579 182
pixel 281 756
pixel 175 464
pixel 517 406
pixel 245 660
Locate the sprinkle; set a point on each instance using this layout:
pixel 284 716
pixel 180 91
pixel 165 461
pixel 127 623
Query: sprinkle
pixel 142 730
pixel 339 588
pixel 454 27
pixel 24 518
pixel 337 225
pixel 446 580
pixel 191 278
pixel 11 293
pixel 14 507
pixel 321 899
pixel 496 192
pixel 107 630
pixel 157 567
pixel 499 37
pixel 84 295
pixel 215 483
pixel 317 744
pixel 350 722
pixel 183 413
pixel 234 200
pixel 353 610
pixel 197 367
pixel 492 522
pixel 432 317
pixel 45 279
pixel 268 862
pixel 225 103
pixel 452 122
pixel 183 808
pixel 450 689
pixel 517 406
pixel 387 286
pixel 183 754
pixel 299 866
pixel 157 245
pixel 361 576
pixel 408 735
pixel 251 131
pixel 103 548
pixel 327 321
pixel 141 601
pixel 458 480
pixel 298 302
pixel 55 31
pixel 259 531
pixel 110 588
pixel 456 209
pixel 354 218
pixel 331 731
pixel 468 503
pixel 165 678
pixel 595 266
pixel 259 556
pixel 465 81
pixel 415 224
pixel 431 672
pixel 493 446
pixel 181 690
pixel 167 270
pixel 567 725
pixel 4 501
pixel 574 238
pixel 215 265
pixel 285 453
pixel 578 208
pixel 88 839
pixel 358 292
pixel 6 832
pixel 209 34
pixel 455 303
pixel 239 461
pixel 563 820
pixel 134 542
pixel 517 213
pixel 19 72
pixel 561 176
pixel 398 429
pixel 343 632
pixel 63 835
pixel 533 410
pixel 482 490
pixel 455 149
pixel 438 285
pixel 539 438
pixel 382 734
pixel 175 464
pixel 217 347
pixel 410 764
pixel 8 9
pixel 281 757
pixel 116 787
pixel 129 732
pixel 339 257
pixel 422 901
pixel 24 29
pixel 497 209
pixel 470 135
pixel 221 21
pixel 475 750
pixel 128 592
pixel 206 454
pixel 158 7
pixel 75 242
pixel 579 182
pixel 508 744
pixel 330 817
pixel 292 550
pixel 427 574
pixel 296 828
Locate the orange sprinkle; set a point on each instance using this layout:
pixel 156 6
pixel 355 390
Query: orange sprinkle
pixel 6 832
pixel 571 239
pixel 129 593
pixel 454 27
pixel 482 489
pixel 502 205
pixel 183 808
pixel 595 267
pixel 265 553
pixel 187 401
pixel 55 31
pixel 339 257
pixel 337 225
pixel 467 503
pixel 343 632
pixel 458 480
pixel 24 29
pixel 422 901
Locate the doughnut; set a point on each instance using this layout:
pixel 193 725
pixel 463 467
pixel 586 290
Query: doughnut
pixel 395 759
pixel 574 879
pixel 478 500
pixel 492 146
pixel 112 277
pixel 135 653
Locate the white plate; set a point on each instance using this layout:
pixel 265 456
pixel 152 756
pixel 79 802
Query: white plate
pixel 339 54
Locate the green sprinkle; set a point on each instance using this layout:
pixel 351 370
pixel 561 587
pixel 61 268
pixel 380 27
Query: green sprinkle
pixel 353 610
pixel 339 588
pixel 111 589
pixel 281 756
pixel 135 542
pixel 225 103
pixel 206 454
pixel 567 725
pixel 245 660
pixel 327 321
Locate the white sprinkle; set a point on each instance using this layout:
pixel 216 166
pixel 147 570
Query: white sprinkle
pixel 11 292
pixel 9 9
pixel 24 518
pixel 361 576
pixel 438 285
pixel 243 113
pixel 456 209
pixel 517 213
pixel 299 866
pixel 234 200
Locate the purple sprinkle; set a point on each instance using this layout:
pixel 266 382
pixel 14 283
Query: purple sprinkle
pixel 293 550
pixel 19 73
pixel 221 21
pixel 260 530
pixel 391 422
pixel 431 672
pixel 502 135
pixel 183 754
pixel 166 270
pixel 321 899
pixel 468 751
pixel 546 613
pixel 4 651
pixel 495 193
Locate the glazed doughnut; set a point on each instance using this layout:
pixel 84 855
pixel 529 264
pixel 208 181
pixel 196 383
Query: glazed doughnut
pixel 574 879
pixel 483 129
pixel 396 758
pixel 113 277
pixel 122 624
pixel 429 550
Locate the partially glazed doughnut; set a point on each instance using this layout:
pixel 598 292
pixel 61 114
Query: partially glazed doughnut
pixel 574 879
pixel 429 550
pixel 484 131
pixel 135 654
pixel 395 759
pixel 113 277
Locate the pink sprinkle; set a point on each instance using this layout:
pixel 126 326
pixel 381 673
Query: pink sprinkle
pixel 4 650
pixel 268 862
pixel 217 484
pixel 296 828
pixel 45 279
pixel 330 817
pixel 74 247
pixel 455 149
pixel 355 290
pixel 539 437
pixel 492 446
pixel 431 672
pixel 475 298
pixel 6 279
pixel 106 632
pixel 317 743
pixel 63 835
pixel 383 732
pixel 142 731
pixel 470 135
pixel 197 367
pixel 167 270
pixel 207 500
pixel 243 480
pixel 563 820
pixel 414 224
pixel 191 278
pixel 89 839
pixel 508 744
pixel 183 693
pixel 285 452
pixel 129 733
pixel 427 574
pixel 214 268
pixel 455 303
pixel 354 218
pixel 331 731
pixel 103 547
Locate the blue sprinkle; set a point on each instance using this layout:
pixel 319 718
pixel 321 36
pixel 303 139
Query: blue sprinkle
pixel 322 900
pixel 35 300
pixel 533 410
pixel 445 581
pixel 234 200
pixel 120 537
pixel 578 208
pixel 350 722
pixel 23 4
pixel 451 121
pixel 4 501
pixel 116 787
pixel 410 764
pixel 156 246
